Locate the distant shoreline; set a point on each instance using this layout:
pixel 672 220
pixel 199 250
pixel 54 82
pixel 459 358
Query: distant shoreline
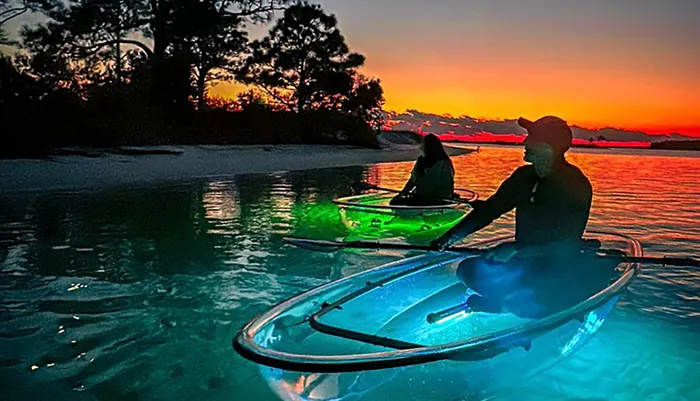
pixel 689 145
pixel 662 145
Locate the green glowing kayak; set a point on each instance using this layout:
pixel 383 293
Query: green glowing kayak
pixel 371 216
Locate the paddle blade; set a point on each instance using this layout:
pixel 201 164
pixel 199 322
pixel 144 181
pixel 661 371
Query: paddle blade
pixel 664 261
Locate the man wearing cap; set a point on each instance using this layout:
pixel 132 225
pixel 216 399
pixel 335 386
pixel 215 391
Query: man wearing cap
pixel 552 200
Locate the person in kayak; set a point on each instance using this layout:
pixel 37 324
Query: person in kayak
pixel 552 200
pixel 432 177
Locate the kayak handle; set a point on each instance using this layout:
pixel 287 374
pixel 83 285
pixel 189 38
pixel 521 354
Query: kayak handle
pixel 437 316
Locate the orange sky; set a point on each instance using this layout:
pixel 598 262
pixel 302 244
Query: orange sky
pixel 633 64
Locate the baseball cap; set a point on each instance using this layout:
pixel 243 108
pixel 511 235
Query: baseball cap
pixel 549 129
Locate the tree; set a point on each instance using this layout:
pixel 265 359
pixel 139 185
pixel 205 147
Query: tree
pixel 12 9
pixel 4 39
pixel 184 40
pixel 304 62
pixel 366 101
pixel 54 63
pixel 15 87
pixel 210 41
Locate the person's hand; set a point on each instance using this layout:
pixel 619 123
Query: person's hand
pixel 502 253
pixel 442 242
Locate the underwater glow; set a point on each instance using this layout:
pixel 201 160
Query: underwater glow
pixel 456 317
pixel 158 273
pixel 361 321
pixel 370 216
pixel 591 324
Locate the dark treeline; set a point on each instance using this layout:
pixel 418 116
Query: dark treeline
pixel 677 145
pixel 108 73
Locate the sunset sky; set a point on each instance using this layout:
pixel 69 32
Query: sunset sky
pixel 631 64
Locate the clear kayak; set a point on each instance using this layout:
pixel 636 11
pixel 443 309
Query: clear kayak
pixel 367 335
pixel 371 215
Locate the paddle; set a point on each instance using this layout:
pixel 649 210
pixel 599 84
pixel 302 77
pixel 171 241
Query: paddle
pixel 332 246
pixel 587 246
pixel 365 185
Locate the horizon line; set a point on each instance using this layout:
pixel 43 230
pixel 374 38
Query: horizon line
pixel 669 132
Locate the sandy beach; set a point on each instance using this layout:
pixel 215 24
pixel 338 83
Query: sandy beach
pixel 183 163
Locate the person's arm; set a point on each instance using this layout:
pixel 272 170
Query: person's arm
pixel 581 199
pixel 410 183
pixel 554 247
pixel 408 187
pixel 485 212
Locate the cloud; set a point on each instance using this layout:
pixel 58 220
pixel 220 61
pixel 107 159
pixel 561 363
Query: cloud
pixel 472 128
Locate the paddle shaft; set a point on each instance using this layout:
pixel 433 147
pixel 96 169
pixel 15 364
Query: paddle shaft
pixel 383 189
pixel 664 261
pixel 332 246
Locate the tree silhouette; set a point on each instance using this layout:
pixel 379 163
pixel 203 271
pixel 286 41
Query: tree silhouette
pixel 126 72
pixel 15 87
pixel 4 39
pixel 187 39
pixel 12 9
pixel 366 101
pixel 304 62
pixel 210 40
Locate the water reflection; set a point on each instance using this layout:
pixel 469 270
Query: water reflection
pixel 221 202
pixel 136 292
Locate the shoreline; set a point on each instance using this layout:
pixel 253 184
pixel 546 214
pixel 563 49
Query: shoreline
pixel 170 165
pixel 578 146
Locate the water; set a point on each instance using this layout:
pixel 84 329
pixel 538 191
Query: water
pixel 136 293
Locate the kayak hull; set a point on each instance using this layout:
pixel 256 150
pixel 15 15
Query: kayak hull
pixel 441 380
pixel 366 336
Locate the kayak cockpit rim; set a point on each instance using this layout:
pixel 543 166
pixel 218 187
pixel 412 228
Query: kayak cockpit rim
pixel 405 354
pixel 350 201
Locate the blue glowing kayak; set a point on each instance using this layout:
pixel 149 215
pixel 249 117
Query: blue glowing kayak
pixel 367 335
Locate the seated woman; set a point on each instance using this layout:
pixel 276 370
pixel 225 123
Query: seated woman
pixel 432 178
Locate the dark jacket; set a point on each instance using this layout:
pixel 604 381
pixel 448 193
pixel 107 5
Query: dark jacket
pixel 550 209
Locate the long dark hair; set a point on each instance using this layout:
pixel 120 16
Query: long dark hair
pixel 434 152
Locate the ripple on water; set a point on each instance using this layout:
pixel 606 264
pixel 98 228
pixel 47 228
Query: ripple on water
pixel 136 294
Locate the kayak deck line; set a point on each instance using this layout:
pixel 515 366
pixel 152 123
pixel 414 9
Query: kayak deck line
pixel 314 320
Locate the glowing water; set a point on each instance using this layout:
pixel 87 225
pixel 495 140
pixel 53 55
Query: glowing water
pixel 137 292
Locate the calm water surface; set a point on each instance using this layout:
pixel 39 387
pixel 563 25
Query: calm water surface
pixel 136 293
